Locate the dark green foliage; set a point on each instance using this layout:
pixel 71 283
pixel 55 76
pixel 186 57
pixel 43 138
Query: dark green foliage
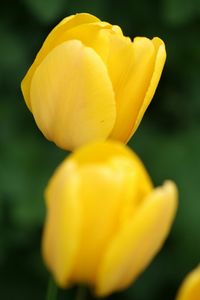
pixel 167 140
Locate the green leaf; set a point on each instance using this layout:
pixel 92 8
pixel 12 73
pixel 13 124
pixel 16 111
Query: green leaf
pixel 46 10
pixel 178 12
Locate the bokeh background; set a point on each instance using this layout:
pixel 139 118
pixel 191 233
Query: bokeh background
pixel 168 139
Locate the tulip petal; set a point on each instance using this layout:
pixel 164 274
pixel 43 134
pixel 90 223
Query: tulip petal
pixel 72 97
pixel 102 193
pixel 117 156
pixel 135 70
pixel 190 289
pixel 158 67
pixel 50 43
pixel 135 245
pixel 62 226
pixel 95 35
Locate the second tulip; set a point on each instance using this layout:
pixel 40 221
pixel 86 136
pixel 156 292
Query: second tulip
pixel 105 220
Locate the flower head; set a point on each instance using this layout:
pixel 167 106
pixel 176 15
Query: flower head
pixel 90 82
pixel 105 220
pixel 190 288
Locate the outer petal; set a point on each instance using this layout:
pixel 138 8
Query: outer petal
pixel 135 77
pixel 52 41
pixel 158 67
pixel 72 97
pixel 190 289
pixel 62 226
pixel 138 241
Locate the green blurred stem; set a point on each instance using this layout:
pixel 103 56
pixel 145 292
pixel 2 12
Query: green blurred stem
pixel 81 293
pixel 52 290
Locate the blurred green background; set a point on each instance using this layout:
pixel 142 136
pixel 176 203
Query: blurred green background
pixel 167 140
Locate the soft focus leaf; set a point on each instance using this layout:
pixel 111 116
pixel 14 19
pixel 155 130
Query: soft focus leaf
pixel 46 10
pixel 179 12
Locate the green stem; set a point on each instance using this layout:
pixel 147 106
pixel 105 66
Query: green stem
pixel 52 290
pixel 81 293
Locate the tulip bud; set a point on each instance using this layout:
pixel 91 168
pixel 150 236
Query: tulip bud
pixel 105 221
pixel 90 82
pixel 190 289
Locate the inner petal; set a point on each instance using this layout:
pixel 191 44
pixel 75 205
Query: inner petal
pixel 103 194
pixel 130 67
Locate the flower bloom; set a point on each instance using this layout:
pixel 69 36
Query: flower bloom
pixel 90 82
pixel 105 221
pixel 190 289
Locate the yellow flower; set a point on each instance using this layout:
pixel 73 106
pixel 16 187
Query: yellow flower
pixel 190 289
pixel 90 82
pixel 105 220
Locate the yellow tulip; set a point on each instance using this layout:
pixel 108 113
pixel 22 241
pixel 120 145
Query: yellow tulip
pixel 190 289
pixel 105 221
pixel 90 82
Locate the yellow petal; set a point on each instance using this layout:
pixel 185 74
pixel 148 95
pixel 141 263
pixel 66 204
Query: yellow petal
pixel 158 67
pixel 102 194
pixel 52 41
pixel 190 289
pixel 115 155
pixel 72 97
pixel 135 69
pixel 135 245
pixel 62 227
pixel 95 35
